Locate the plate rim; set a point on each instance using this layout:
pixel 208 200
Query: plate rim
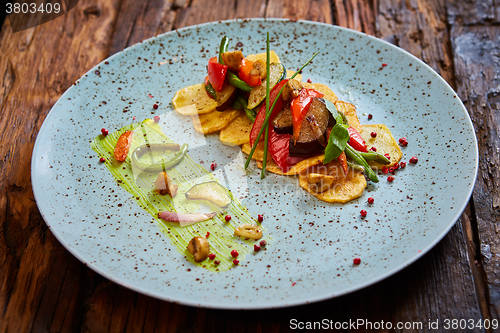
pixel 255 305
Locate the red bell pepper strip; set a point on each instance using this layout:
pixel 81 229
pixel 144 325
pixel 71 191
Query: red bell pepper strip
pixel 244 73
pixel 343 162
pixel 216 73
pixel 123 145
pixel 279 149
pixel 356 141
pixel 261 115
pixel 300 106
pixel 279 145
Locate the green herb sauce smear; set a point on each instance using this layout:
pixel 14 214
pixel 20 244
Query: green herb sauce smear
pixel 185 174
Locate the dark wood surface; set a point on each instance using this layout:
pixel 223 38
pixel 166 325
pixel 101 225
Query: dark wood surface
pixel 44 288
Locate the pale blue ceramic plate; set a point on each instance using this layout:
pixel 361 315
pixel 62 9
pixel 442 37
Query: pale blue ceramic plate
pixel 314 243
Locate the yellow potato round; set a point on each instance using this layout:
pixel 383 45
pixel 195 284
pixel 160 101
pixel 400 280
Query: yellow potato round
pixel 214 121
pixel 384 142
pixel 289 73
pixel 193 100
pixel 324 89
pixel 237 132
pixel 349 111
pixel 296 168
pixel 341 191
pixel 262 56
pixel 258 154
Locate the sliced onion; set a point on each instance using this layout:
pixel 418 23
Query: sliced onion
pixel 185 219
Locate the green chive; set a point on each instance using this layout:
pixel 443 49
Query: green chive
pixel 268 114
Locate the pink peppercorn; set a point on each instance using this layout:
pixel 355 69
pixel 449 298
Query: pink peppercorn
pixel 309 81
pixel 402 165
pixel 414 160
pixel 234 253
pixel 390 179
pixel 211 256
pixel 213 166
pixel 403 142
pixel 356 261
pixel 373 134
pixel 263 243
pixel 396 166
pixel 104 131
pixel 363 213
pixel 370 116
pixel 387 156
pixel 384 65
pixel 156 119
pixel 208 234
pixel 391 170
pixel 155 106
pixel 371 200
pixel 385 170
pixel 216 262
pixel 227 218
pixel 373 149
pixel 236 261
pixel 102 160
pixel 256 247
pixel 260 218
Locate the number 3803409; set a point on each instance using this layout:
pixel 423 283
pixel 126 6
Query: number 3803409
pixel 32 8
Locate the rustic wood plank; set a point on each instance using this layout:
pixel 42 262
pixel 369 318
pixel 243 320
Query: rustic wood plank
pixel 476 47
pixel 200 11
pixel 318 10
pixel 356 15
pixel 37 271
pixel 86 300
pixel 420 27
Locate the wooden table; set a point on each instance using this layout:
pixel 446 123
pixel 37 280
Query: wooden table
pixel 44 288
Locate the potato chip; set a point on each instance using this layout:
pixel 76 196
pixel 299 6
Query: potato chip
pixel 258 154
pixel 329 95
pixel 384 142
pixel 289 73
pixel 237 132
pixel 296 168
pixel 349 111
pixel 273 57
pixel 341 190
pixel 193 100
pixel 214 121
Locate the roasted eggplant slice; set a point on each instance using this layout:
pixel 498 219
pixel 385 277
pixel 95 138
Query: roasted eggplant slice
pixel 312 136
pixel 283 122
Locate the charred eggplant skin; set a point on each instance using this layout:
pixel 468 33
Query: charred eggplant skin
pixel 309 142
pixel 283 123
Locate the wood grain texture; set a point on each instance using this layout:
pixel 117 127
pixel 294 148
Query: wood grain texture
pixel 476 47
pixel 44 288
pixel 40 282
